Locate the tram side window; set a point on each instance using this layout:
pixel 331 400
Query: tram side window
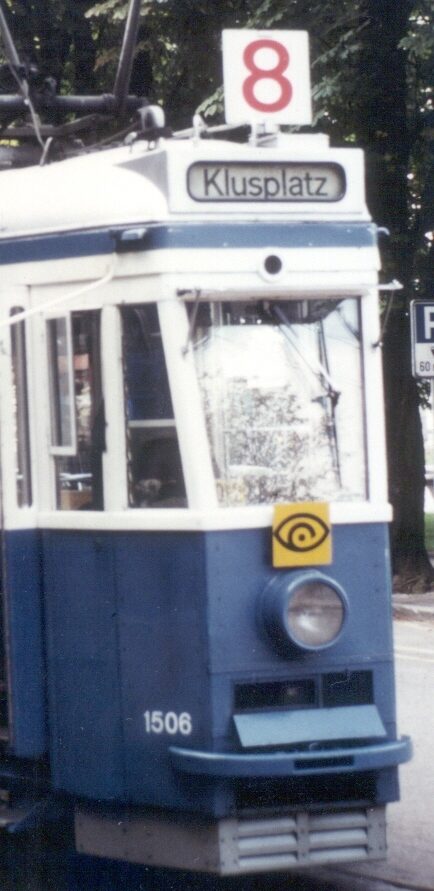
pixel 155 477
pixel 21 400
pixel 77 410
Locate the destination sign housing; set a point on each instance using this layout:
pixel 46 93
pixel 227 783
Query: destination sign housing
pixel 268 183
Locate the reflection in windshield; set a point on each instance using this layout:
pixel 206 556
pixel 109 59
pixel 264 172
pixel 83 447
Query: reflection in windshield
pixel 282 391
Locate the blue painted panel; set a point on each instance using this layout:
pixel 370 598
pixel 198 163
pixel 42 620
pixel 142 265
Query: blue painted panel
pixel 162 631
pixel 243 647
pixel 232 234
pixel 37 248
pixel 126 634
pixel 238 570
pixel 86 745
pixel 22 560
pixel 189 235
pixel 142 625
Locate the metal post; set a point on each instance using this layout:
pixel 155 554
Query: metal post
pixel 126 59
pixel 11 51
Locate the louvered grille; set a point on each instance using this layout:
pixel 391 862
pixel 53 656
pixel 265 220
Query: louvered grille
pixel 283 843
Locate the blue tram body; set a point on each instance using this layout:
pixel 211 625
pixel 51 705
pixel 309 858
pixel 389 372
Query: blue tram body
pixel 185 345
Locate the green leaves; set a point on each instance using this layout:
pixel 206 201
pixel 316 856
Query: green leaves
pixel 105 8
pixel 213 105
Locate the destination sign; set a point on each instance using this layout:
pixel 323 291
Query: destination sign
pixel 268 183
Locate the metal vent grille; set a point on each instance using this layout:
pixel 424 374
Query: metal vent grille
pixel 231 847
pixel 284 843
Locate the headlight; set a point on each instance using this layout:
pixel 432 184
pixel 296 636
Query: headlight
pixel 316 614
pixel 305 611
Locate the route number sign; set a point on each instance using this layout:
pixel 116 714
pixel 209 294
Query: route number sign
pixel 266 77
pixel 422 337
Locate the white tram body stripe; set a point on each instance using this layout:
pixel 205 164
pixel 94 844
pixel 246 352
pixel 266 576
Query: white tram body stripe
pixel 81 211
pixel 179 519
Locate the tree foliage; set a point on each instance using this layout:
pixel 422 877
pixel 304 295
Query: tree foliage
pixel 56 37
pixel 372 85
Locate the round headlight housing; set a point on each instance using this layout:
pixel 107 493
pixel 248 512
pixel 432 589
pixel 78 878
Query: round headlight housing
pixel 304 612
pixel 316 614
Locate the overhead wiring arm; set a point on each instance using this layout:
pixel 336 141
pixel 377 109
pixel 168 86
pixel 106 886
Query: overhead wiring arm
pixel 16 68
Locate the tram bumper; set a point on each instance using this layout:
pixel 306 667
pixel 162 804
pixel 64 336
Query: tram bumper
pixel 284 839
pixel 288 764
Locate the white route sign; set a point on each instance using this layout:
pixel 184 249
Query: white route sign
pixel 266 77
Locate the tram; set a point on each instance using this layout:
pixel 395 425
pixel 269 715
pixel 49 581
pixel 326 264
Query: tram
pixel 197 634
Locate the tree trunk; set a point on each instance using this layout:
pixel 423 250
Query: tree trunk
pixel 388 144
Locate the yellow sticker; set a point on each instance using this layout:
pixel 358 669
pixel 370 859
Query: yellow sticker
pixel 302 534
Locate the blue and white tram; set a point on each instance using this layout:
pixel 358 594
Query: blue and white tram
pixel 197 621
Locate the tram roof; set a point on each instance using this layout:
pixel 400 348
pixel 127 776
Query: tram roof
pixel 184 179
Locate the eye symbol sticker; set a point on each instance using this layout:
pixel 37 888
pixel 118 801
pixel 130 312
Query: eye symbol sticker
pixel 302 532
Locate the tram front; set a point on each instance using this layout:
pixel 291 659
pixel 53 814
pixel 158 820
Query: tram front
pixel 253 585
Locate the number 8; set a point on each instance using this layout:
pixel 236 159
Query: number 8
pixel 275 74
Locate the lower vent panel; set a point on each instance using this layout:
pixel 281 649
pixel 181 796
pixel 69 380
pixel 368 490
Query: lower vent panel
pixel 234 846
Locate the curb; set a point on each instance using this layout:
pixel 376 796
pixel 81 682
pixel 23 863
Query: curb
pixel 416 608
pixel 413 613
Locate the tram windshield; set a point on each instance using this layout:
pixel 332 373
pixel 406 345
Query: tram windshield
pixel 282 392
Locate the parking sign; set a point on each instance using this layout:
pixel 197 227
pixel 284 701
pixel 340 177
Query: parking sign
pixel 422 337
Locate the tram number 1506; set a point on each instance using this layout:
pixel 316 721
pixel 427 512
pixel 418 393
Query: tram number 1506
pixel 168 722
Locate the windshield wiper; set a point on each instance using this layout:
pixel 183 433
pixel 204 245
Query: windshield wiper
pixel 321 371
pixel 316 367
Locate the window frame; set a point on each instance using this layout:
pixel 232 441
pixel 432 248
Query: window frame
pixel 55 402
pixel 20 384
pixel 202 511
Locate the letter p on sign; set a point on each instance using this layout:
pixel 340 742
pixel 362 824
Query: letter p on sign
pixel 266 77
pixel 428 315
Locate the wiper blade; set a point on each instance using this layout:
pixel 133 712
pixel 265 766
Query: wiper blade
pixel 315 366
pixel 320 371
